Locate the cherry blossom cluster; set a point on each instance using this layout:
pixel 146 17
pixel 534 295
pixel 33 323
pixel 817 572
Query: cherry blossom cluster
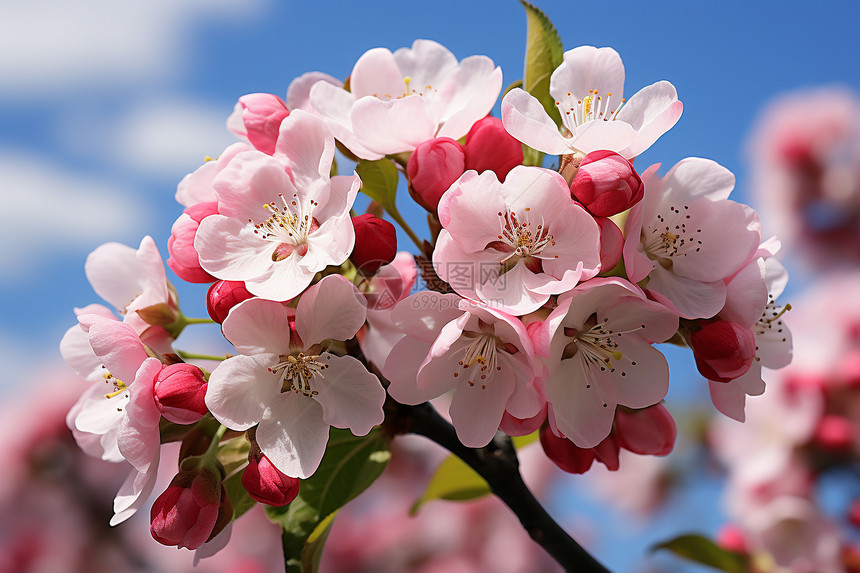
pixel 547 288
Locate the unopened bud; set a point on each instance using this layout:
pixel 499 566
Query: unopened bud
pixel 649 431
pixel 723 350
pixel 606 184
pixel 834 434
pixel 180 390
pixel 184 260
pixel 490 148
pixel 266 483
pixel 192 510
pixel 375 243
pixel 432 168
pixel 565 454
pixel 224 295
pixel 262 115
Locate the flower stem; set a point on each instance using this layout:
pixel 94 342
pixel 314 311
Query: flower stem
pixel 497 463
pixel 398 218
pixel 193 356
pixel 216 441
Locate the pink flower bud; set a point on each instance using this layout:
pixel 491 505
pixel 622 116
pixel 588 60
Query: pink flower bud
pixel 262 115
pixel 266 484
pixel 375 243
pixel 565 454
pixel 224 295
pixel 180 390
pixel 649 431
pixel 490 148
pixel 184 260
pixel 732 538
pixel 192 510
pixel 611 243
pixel 834 434
pixel 723 350
pixel 432 168
pixel 606 184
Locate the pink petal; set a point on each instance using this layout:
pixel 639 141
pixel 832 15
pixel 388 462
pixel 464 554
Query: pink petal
pixel 138 436
pixel 258 326
pixel 393 126
pixel 729 398
pixel 652 111
pixel 641 377
pixel 331 309
pixel 580 413
pixel 334 105
pixel 525 118
pixel 476 412
pixel 423 314
pixel 470 209
pixel 476 85
pixel 250 181
pixel 695 177
pixel 692 299
pixel 350 396
pixel 376 74
pixel 588 68
pixel 241 388
pixel 426 62
pixel 299 92
pixel 116 344
pixel 230 250
pixel 306 145
pixel 293 434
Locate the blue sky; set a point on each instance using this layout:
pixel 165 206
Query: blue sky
pixel 105 105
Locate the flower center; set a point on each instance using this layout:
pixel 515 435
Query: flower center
pixel 481 358
pixel 288 226
pixel 118 385
pixel 423 91
pixel 592 107
pixel 297 371
pixel 670 237
pixel 522 240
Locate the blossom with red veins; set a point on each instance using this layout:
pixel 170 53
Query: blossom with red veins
pixel 512 245
pixel 587 88
pixel 121 408
pixel 285 379
pixel 397 101
pixel 483 354
pixel 687 238
pixel 280 219
pixel 598 353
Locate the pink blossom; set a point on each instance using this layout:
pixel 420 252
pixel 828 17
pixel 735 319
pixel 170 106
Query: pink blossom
pixel 396 101
pixel 597 346
pixel 687 237
pixel 281 218
pixel 511 245
pixel 483 354
pixel 299 91
pixel 285 380
pixel 588 88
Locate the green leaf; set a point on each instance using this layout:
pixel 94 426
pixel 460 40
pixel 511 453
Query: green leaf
pixel 378 181
pixel 531 156
pixel 544 53
pixel 454 480
pixel 312 552
pixel 702 550
pixel 239 496
pixel 233 454
pixel 348 467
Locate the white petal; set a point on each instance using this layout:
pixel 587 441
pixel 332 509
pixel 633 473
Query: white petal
pixel 241 388
pixel 350 396
pixel 258 326
pixel 293 434
pixel 526 119
pixel 331 309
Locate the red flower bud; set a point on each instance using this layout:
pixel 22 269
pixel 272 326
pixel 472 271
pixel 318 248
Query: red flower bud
pixel 224 295
pixel 184 260
pixel 606 184
pixel 611 243
pixel 649 431
pixel 723 350
pixel 565 454
pixel 834 433
pixel 265 483
pixel 192 510
pixel 375 243
pixel 180 390
pixel 262 115
pixel 490 147
pixel 432 168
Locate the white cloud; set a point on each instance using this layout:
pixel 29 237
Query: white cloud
pixel 48 212
pixel 48 47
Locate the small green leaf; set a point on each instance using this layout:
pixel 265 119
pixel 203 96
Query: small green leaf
pixel 233 454
pixel 544 53
pixel 700 549
pixel 378 181
pixel 312 552
pixel 348 467
pixel 239 497
pixel 532 157
pixel 454 480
